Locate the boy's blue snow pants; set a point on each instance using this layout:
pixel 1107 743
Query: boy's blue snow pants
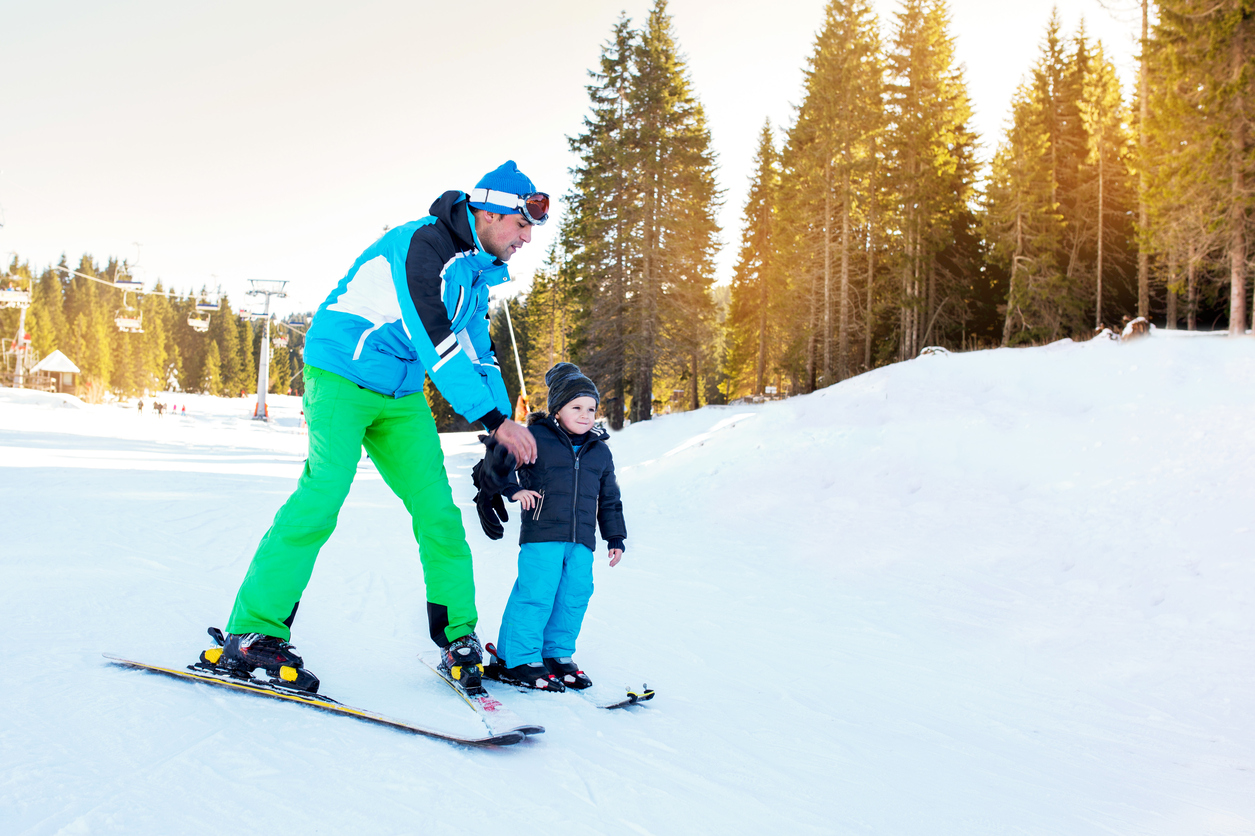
pixel 546 608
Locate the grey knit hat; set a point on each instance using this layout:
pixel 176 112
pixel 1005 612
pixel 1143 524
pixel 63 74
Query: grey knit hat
pixel 566 383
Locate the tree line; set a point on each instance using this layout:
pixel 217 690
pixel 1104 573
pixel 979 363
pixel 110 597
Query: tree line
pixel 871 229
pixel 177 346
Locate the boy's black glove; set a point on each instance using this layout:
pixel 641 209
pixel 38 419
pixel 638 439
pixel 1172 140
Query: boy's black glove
pixel 490 476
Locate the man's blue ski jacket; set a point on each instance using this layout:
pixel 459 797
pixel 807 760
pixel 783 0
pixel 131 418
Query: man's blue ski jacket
pixel 414 303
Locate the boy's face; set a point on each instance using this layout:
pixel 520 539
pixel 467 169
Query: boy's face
pixel 577 416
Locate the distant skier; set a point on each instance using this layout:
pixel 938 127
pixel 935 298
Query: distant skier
pixel 414 304
pixel 141 407
pixel 570 490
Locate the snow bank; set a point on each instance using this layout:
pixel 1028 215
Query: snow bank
pixel 996 592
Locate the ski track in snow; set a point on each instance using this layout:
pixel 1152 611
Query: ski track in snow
pixel 1003 592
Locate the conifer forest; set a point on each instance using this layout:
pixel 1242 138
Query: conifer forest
pixel 877 222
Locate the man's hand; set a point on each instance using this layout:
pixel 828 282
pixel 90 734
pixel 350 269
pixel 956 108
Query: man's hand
pixel 615 556
pixel 518 440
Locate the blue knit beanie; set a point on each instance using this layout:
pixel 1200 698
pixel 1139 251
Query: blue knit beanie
pixel 566 383
pixel 505 178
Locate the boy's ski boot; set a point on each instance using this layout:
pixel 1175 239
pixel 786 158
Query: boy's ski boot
pixel 463 660
pixel 568 673
pixel 534 676
pixel 241 653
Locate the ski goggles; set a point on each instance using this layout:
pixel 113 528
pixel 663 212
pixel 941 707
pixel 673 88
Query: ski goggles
pixel 534 207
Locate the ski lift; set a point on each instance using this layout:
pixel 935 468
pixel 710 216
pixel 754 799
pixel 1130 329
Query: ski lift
pixel 197 323
pixel 280 341
pixel 207 306
pixel 13 298
pixel 125 281
pixel 129 320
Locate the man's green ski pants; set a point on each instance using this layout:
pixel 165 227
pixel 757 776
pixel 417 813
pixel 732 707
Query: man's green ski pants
pixel 400 436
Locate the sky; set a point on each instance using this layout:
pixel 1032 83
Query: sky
pixel 212 143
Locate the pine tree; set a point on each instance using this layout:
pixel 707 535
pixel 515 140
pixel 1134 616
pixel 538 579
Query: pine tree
pixel 678 234
pixel 831 154
pixel 280 370
pixel 546 323
pixel 598 245
pixel 1106 164
pixel 641 234
pixel 211 383
pixel 1207 52
pixel 246 362
pixel 932 163
pixel 758 283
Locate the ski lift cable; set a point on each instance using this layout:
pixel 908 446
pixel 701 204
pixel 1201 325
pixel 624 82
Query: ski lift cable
pixel 127 288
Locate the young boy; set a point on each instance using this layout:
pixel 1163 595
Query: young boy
pixel 568 491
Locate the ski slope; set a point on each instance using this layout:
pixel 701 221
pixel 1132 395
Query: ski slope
pixel 1003 592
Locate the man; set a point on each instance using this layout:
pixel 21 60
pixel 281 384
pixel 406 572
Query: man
pixel 415 303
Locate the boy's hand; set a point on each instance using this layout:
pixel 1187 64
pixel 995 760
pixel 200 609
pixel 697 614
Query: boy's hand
pixel 526 499
pixel 615 555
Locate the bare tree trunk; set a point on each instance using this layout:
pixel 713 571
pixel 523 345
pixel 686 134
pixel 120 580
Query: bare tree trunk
pixel 869 324
pixel 1143 210
pixel 1191 290
pixel 1237 198
pixel 813 322
pixel 1101 224
pixel 762 326
pixel 1172 292
pixel 695 401
pixel 1015 266
pixel 843 320
pixel 828 273
pixel 932 301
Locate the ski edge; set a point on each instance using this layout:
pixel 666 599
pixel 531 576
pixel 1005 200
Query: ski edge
pixel 505 738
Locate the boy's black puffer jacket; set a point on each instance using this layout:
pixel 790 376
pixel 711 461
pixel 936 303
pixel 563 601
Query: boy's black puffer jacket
pixel 579 488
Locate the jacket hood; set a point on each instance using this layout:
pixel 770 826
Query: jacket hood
pixel 450 209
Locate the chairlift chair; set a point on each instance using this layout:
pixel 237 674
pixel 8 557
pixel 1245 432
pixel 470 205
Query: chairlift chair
pixel 129 320
pixel 198 324
pixel 13 298
pixel 129 324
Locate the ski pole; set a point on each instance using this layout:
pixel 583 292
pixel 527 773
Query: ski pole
pixel 517 362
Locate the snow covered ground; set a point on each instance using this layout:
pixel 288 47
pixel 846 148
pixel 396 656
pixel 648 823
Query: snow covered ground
pixel 1004 592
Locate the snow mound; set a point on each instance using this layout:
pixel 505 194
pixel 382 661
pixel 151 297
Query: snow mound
pixel 46 400
pixel 1010 592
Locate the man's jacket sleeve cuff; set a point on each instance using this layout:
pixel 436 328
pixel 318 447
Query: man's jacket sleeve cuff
pixel 492 420
pixel 616 543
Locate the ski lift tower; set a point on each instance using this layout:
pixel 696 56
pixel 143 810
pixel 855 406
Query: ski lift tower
pixel 267 288
pixel 13 298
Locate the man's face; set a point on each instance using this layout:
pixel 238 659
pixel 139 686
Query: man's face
pixel 502 235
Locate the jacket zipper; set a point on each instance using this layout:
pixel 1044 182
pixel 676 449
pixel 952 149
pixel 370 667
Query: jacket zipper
pixel 575 497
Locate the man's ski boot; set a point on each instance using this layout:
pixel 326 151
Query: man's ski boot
pixel 463 660
pixel 534 676
pixel 568 673
pixel 239 654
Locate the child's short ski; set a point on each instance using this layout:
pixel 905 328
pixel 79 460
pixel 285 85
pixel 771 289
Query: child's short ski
pixel 497 718
pixel 249 685
pixel 602 698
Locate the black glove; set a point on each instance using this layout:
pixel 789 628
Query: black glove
pixel 490 476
